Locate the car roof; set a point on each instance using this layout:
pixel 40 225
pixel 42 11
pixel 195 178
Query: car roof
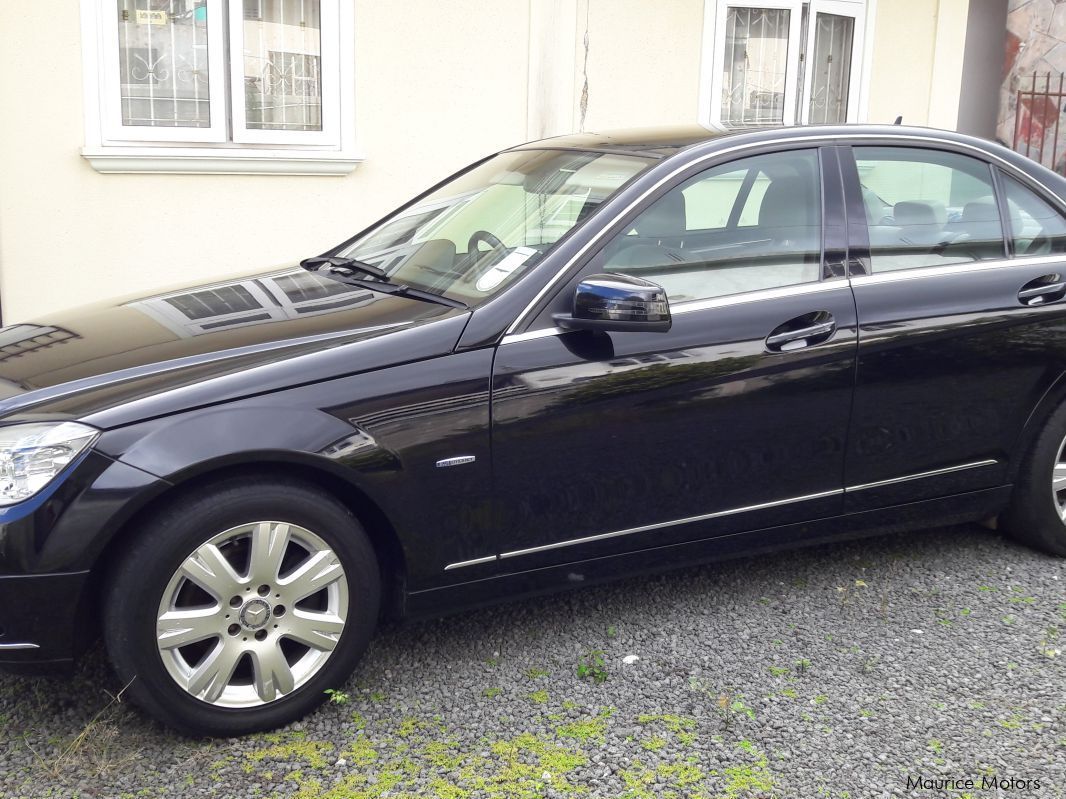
pixel 694 141
pixel 662 142
pixel 657 142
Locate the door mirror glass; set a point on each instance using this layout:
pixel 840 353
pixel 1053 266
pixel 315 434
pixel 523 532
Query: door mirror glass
pixel 617 303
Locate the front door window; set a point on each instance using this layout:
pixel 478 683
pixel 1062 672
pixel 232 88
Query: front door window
pixel 747 225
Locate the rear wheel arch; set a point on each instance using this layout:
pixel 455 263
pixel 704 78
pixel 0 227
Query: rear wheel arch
pixel 1052 399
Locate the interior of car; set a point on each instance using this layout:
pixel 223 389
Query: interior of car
pixel 771 235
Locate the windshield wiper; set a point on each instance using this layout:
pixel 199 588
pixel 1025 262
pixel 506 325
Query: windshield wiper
pixel 344 270
pixel 345 265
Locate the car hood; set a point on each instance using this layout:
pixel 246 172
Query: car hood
pixel 208 343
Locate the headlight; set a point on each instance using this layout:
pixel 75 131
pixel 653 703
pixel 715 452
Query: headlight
pixel 31 455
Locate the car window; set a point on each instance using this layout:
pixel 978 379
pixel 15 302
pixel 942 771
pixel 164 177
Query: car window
pixel 927 208
pixel 1036 227
pixel 481 230
pixel 757 225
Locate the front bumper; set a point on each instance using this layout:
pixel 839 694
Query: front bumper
pixel 42 618
pixel 50 569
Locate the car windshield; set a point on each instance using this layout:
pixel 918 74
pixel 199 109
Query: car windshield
pixel 478 233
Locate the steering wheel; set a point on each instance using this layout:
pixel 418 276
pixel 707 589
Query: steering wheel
pixel 479 236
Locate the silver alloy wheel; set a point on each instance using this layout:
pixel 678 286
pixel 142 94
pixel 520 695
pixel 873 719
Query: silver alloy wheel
pixel 1058 481
pixel 252 614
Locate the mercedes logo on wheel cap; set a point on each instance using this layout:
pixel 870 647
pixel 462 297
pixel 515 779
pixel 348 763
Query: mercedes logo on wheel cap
pixel 255 614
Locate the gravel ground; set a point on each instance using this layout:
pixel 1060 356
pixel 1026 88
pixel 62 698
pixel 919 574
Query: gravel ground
pixel 840 671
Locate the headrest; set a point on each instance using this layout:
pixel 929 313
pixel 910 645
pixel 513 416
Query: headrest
pixel 918 212
pixel 664 219
pixel 980 211
pixel 786 204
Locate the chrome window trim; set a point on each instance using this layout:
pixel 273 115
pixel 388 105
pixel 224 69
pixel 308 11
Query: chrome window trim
pixel 955 269
pixel 729 512
pixel 815 140
pixel 530 335
pixel 776 293
pixel 12 647
pixel 725 301
pixel 933 473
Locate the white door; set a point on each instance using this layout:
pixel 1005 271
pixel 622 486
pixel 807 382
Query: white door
pixel 832 61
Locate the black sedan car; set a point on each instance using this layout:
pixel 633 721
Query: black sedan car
pixel 579 358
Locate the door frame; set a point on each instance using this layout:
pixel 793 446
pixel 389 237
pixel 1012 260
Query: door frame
pixel 840 8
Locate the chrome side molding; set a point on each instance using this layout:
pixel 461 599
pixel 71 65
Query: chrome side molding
pixel 934 473
pixel 730 512
pixel 473 562
pixel 11 647
pixel 658 525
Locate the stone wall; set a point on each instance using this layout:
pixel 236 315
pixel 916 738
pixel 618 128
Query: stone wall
pixel 1036 45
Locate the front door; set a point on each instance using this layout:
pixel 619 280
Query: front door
pixel 733 420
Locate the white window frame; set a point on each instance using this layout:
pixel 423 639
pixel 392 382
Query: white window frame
pixel 795 17
pixel 797 75
pixel 228 146
pixel 330 84
pixel 114 132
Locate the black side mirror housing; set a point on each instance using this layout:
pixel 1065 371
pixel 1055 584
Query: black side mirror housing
pixel 617 303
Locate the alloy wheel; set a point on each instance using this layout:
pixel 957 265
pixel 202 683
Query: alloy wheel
pixel 1058 481
pixel 252 614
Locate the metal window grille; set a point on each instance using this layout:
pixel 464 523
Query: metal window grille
pixel 1039 104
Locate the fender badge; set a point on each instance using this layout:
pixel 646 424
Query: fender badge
pixel 459 460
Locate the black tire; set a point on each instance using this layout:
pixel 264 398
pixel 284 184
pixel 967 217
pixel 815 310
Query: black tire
pixel 140 576
pixel 1033 516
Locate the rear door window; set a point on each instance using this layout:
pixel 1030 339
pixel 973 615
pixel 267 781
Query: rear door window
pixel 1036 228
pixel 927 208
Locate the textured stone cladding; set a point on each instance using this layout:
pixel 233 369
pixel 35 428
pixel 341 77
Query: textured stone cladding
pixel 1036 46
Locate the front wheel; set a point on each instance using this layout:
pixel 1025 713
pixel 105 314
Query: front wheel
pixel 236 608
pixel 1037 513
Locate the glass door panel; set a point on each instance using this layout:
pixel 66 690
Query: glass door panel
pixel 830 69
pixel 755 66
pixel 831 54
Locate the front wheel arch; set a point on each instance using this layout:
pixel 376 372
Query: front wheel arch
pixel 392 562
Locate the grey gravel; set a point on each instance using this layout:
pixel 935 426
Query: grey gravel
pixel 839 671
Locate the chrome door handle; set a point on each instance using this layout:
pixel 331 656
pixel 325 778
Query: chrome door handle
pixel 1042 292
pixel 804 334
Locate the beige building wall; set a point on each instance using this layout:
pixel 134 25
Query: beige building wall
pixel 437 85
pixel 922 53
pixel 426 105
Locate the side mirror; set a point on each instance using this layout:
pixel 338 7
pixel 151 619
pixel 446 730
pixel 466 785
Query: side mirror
pixel 617 303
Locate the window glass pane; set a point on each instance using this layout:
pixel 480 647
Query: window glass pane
pixel 831 75
pixel 753 72
pixel 927 208
pixel 708 203
pixel 1036 227
pixel 780 244
pixel 485 228
pixel 282 64
pixel 163 74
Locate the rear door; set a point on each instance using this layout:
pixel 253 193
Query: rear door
pixel 958 286
pixel 733 420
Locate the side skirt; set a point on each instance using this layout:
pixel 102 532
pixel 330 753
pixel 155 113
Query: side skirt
pixel 959 508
